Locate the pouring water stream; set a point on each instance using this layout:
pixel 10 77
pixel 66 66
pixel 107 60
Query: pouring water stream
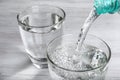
pixel 100 7
pixel 85 28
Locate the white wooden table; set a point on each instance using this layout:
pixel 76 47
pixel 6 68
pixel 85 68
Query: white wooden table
pixel 14 63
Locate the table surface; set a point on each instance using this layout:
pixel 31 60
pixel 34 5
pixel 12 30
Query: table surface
pixel 15 64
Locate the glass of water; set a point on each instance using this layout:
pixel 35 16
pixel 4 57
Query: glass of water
pixel 39 25
pixel 65 62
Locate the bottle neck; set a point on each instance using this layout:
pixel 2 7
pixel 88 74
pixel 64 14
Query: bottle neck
pixel 107 6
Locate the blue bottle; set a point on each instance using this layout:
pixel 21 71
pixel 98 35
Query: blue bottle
pixel 107 6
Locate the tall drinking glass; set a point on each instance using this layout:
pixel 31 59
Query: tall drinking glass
pixel 38 25
pixel 65 62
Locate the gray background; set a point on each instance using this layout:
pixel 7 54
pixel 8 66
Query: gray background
pixel 14 63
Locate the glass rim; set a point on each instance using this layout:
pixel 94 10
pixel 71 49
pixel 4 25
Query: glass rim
pixel 104 65
pixel 43 5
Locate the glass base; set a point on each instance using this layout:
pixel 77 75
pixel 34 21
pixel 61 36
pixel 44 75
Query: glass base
pixel 40 63
pixel 41 66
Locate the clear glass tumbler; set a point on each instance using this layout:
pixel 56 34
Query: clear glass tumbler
pixel 65 62
pixel 39 25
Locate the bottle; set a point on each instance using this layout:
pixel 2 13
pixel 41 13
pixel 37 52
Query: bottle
pixel 106 6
